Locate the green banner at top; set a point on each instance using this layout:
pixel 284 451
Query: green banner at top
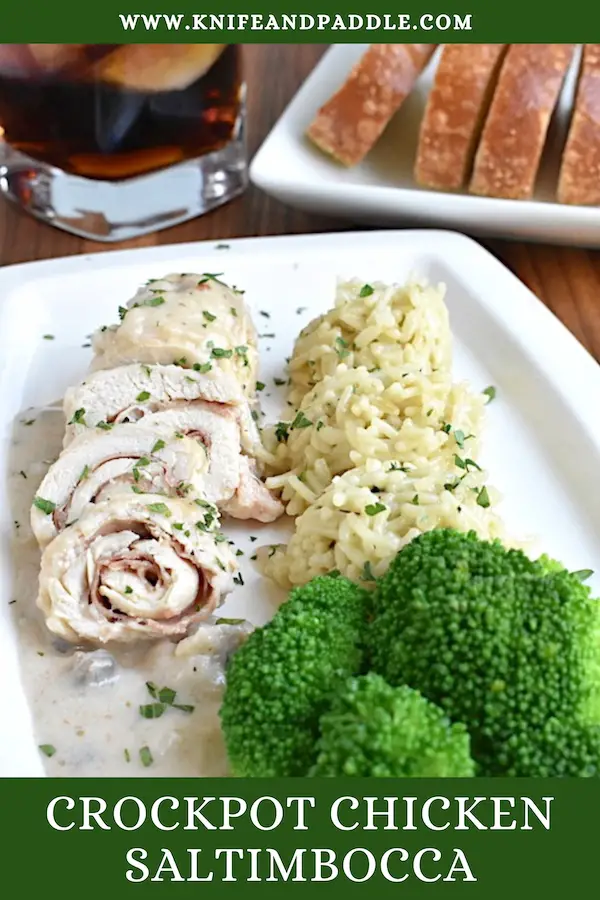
pixel 304 21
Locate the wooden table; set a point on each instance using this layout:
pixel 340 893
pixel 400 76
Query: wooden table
pixel 567 280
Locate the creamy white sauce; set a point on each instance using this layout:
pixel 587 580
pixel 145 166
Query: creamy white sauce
pixel 86 702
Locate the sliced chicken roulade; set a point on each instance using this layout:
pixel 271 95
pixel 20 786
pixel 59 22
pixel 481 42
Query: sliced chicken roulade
pixel 190 320
pixel 127 459
pixel 134 568
pixel 188 451
pixel 128 393
pixel 248 497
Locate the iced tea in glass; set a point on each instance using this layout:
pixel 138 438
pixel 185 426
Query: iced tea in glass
pixel 112 141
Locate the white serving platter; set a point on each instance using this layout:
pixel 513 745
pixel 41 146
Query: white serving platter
pixel 381 190
pixel 542 444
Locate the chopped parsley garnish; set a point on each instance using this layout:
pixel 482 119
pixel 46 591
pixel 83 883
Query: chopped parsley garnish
pixel 264 313
pixel 160 508
pixel 204 367
pixel 84 473
pixel 46 506
pixel 146 757
pixel 208 315
pixel 209 276
pixel 123 312
pixel 415 500
pixel 152 710
pixel 320 424
pixel 282 431
pixel 238 578
pixel 367 572
pixel 490 393
pixel 459 462
pixel 447 428
pixel 134 487
pixel 233 311
pixel 267 334
pixel 159 445
pixel 226 621
pixel 154 301
pixel 147 370
pixel 341 348
pixel 48 337
pixel 143 461
pixel 182 361
pixel 127 755
pixel 260 386
pixel 374 508
pixel 366 291
pixel 219 353
pixel 105 426
pixel 48 749
pixel 583 574
pixel 239 552
pixel 300 310
pixel 22 474
pixel 222 247
pixel 452 485
pixel 279 382
pixel 143 396
pixel 483 498
pixel 396 467
pixel 78 417
pixel 459 437
pixel 300 421
pixel 253 538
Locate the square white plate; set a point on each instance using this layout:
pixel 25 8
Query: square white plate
pixel 381 189
pixel 542 445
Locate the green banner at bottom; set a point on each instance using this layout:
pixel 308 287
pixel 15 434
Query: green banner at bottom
pixel 255 838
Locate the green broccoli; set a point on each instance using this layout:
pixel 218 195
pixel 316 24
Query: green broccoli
pixel 507 645
pixel 280 681
pixel 376 730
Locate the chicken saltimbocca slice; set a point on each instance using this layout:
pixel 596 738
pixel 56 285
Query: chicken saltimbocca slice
pixel 128 459
pixel 135 567
pixel 128 393
pixel 194 321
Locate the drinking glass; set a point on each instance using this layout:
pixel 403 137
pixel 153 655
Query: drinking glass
pixel 113 141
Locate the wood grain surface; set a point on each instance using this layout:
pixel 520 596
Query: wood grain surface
pixel 566 279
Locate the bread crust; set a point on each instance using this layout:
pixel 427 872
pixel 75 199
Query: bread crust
pixel 514 134
pixel 579 180
pixel 352 120
pixel 456 107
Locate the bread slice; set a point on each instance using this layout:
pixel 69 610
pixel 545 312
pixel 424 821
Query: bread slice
pixel 579 180
pixel 350 123
pixel 513 137
pixel 456 108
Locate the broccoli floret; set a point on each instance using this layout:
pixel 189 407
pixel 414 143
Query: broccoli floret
pixel 279 682
pixel 505 644
pixel 374 730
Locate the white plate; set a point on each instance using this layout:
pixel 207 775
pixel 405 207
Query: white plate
pixel 543 439
pixel 381 190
